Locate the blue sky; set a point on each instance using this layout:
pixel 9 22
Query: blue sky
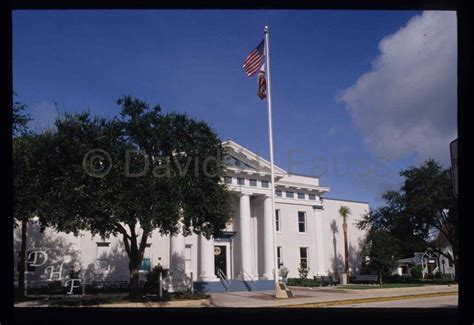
pixel 327 70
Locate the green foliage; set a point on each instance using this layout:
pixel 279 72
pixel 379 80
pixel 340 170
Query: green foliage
pixel 416 272
pixel 126 176
pixel 153 278
pixel 33 174
pixel 20 119
pixel 344 212
pixel 303 271
pixel 298 282
pixel 381 248
pixel 425 203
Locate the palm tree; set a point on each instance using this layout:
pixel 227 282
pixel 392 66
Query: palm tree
pixel 344 212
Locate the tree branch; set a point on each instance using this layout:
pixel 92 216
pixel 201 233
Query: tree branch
pixel 122 230
pixel 127 245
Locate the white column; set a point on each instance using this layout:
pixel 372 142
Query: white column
pixel 319 240
pixel 245 238
pixel 177 247
pixel 268 255
pixel 206 259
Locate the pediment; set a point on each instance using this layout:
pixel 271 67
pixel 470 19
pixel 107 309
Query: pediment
pixel 240 158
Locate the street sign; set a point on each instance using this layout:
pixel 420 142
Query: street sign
pixel 453 148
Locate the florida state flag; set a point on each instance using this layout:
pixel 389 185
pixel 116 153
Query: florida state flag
pixel 262 83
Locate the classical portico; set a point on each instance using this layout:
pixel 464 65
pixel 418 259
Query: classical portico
pixel 248 253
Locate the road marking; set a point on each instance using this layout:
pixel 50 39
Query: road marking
pixel 374 299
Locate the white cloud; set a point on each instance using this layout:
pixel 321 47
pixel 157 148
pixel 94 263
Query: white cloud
pixel 407 102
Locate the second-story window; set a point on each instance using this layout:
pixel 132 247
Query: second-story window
pixel 253 182
pixel 265 184
pixel 228 179
pixel 290 194
pixel 301 196
pixel 277 220
pixel 301 221
pixel 241 181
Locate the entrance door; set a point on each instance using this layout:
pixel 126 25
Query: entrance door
pixel 220 259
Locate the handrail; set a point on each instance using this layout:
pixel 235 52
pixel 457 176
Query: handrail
pixel 222 276
pixel 244 274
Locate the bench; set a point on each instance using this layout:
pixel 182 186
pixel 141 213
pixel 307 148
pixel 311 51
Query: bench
pixel 326 280
pixel 366 278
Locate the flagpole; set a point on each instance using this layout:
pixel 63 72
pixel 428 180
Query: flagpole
pixel 270 136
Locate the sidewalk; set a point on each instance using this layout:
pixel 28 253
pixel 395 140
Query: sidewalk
pixel 304 297
pixel 172 304
pixel 321 295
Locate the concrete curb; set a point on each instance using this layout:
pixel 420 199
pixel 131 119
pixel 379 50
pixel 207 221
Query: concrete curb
pixel 426 289
pixel 370 299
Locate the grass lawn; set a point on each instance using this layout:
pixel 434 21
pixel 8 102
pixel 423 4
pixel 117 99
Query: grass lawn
pixel 384 286
pixel 113 299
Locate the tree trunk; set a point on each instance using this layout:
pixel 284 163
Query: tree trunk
pixel 135 253
pixel 134 290
pixel 22 266
pixel 346 250
pixel 380 278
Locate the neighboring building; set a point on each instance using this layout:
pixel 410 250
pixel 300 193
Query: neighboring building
pixel 309 234
pixel 430 262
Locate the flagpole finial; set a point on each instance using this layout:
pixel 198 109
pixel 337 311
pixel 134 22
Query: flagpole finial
pixel 266 29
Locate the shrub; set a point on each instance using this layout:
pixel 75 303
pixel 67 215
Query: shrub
pixel 416 272
pixel 303 271
pixel 152 283
pixel 297 282
pixel 284 272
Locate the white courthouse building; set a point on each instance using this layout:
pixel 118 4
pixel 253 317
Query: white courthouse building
pixel 308 233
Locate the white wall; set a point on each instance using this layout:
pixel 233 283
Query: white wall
pixel 334 237
pixel 83 248
pixel 290 239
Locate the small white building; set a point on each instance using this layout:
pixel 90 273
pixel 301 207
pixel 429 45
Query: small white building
pixel 308 233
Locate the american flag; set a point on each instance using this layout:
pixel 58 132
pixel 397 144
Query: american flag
pixel 254 60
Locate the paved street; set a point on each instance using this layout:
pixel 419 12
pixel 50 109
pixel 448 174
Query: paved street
pixel 432 302
pixel 318 296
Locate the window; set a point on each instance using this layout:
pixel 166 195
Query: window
pixel 278 193
pixel 227 179
pixel 241 181
pixel 312 197
pixel 304 257
pixel 301 221
pixel 404 269
pixel 265 184
pixel 253 182
pixel 289 194
pixel 102 255
pixel 187 259
pixel 277 220
pixel 146 260
pixel 301 196
pixel 279 259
